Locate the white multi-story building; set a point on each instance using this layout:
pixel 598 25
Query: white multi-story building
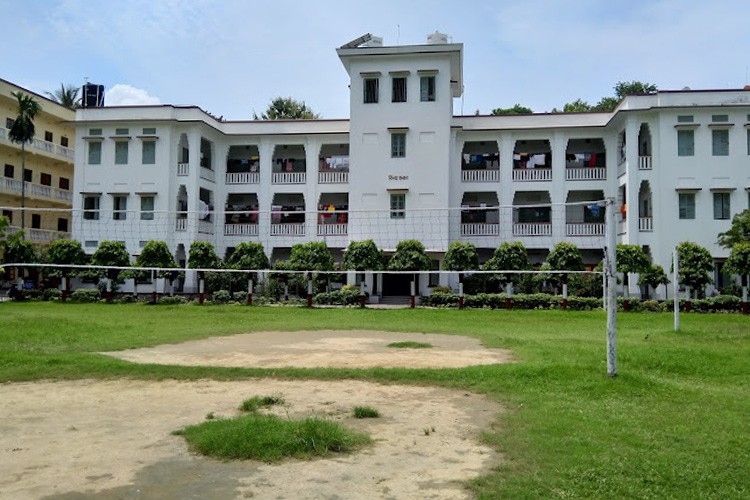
pixel 405 167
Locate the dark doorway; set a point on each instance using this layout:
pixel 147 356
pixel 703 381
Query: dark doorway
pixel 398 284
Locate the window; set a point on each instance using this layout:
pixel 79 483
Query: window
pixel 687 205
pixel 398 205
pixel 119 207
pixel 95 152
pixel 147 208
pixel 9 122
pixel 721 206
pixel 95 131
pixel 121 131
pixel 399 89
pixel 10 170
pixel 685 119
pixel 64 184
pixel 398 145
pixel 27 175
pixel 371 90
pixel 64 142
pixel 91 244
pixel 45 179
pixel 685 143
pixel 48 136
pixel 427 88
pixel 121 153
pixel 149 131
pixel 62 225
pixel 149 152
pixel 720 118
pixel 9 215
pixel 91 207
pixel 36 221
pixel 720 142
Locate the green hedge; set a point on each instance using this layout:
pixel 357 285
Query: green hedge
pixel 338 298
pixel 86 295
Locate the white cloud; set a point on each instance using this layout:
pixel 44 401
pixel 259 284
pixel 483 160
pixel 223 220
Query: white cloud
pixel 126 95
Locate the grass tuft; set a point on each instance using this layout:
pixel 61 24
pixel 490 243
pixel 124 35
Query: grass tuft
pixel 365 412
pixel 408 344
pixel 257 402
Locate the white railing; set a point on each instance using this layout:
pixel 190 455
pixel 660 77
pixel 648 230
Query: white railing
pixel 490 175
pixel 586 174
pixel 40 235
pixel 2 133
pixel 622 227
pixel 532 174
pixel 207 174
pixel 36 190
pixel 65 152
pixel 333 229
pixel 585 229
pixel 12 185
pixel 181 225
pixel 287 229
pixel 47 147
pixel 243 178
pixel 205 227
pixel 645 224
pixel 644 163
pixel 183 169
pixel 532 229
pixel 480 229
pixel 289 178
pixel 333 177
pixel 241 229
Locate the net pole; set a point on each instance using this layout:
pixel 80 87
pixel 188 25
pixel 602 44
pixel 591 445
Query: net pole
pixel 676 290
pixel 610 271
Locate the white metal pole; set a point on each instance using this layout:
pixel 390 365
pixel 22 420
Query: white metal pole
pixel 611 272
pixel 676 290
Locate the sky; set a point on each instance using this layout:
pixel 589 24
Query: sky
pixel 233 57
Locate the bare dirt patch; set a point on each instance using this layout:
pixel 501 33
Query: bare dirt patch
pixel 324 348
pixel 112 439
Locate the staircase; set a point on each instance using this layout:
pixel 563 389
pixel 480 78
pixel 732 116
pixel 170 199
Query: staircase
pixel 396 300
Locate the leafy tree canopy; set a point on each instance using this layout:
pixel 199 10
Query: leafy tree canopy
pixel 111 253
pixel 410 255
pixel 286 108
pixel 363 256
pixel 69 252
pixel 577 106
pixel 66 95
pixel 739 259
pixel 738 233
pixel 695 265
pixel 461 257
pixel 653 277
pixel 635 87
pixel 631 259
pixel 155 254
pixel 203 256
pixel 517 109
pixel 18 250
pixel 509 256
pixel 23 130
pixel 248 255
pixel 312 256
pixel 565 257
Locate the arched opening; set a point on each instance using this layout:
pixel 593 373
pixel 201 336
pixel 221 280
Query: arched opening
pixel 534 215
pixel 182 208
pixel 288 164
pixel 183 155
pixel 644 147
pixel 333 164
pixel 480 215
pixel 480 162
pixel 333 215
pixel 241 214
pixel 585 160
pixel 288 214
pixel 243 165
pixel 645 208
pixel 584 216
pixel 532 160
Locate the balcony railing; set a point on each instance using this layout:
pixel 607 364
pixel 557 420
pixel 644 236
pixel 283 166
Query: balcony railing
pixel 289 177
pixel 333 177
pixel 532 174
pixel 241 229
pixel 473 175
pixel 287 229
pixel 205 227
pixel 333 229
pixel 40 235
pixel 243 178
pixel 181 225
pixel 586 174
pixel 480 229
pixel 585 229
pixel 644 163
pixel 46 146
pixel 645 224
pixel 183 169
pixel 532 229
pixel 207 174
pixel 36 190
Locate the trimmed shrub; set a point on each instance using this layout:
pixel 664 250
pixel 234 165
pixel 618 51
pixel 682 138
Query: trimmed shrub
pixel 51 294
pixel 241 296
pixel 173 300
pixel 86 295
pixel 338 298
pixel 221 297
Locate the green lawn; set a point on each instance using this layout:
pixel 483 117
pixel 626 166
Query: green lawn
pixel 675 423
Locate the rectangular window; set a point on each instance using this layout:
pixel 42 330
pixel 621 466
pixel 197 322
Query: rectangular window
pixel 398 205
pixel 64 184
pixel 64 142
pixel 685 143
pixel 9 122
pixel 427 88
pixel 62 225
pixel 685 119
pixel 48 136
pixel 10 170
pixel 119 207
pixel 720 142
pixel 9 215
pixel 36 221
pixel 149 152
pixel 720 118
pixel 149 131
pixel 45 179
pixel 91 207
pixel 27 175
pixel 95 152
pixel 95 131
pixel 121 152
pixel 121 131
pixel 687 205
pixel 371 90
pixel 399 89
pixel 398 145
pixel 91 244
pixel 721 206
pixel 147 208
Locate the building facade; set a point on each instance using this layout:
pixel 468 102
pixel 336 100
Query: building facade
pixel 404 167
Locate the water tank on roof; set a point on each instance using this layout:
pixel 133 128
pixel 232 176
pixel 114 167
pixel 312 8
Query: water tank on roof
pixel 375 41
pixel 437 38
pixel 93 96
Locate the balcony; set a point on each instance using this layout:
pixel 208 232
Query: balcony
pixel 333 177
pixel 45 146
pixel 333 229
pixel 240 229
pixel 585 229
pixel 208 174
pixel 288 229
pixel 532 229
pixel 181 225
pixel 586 174
pixel 488 175
pixel 644 163
pixel 288 177
pixel 183 169
pixel 645 224
pixel 480 229
pixel 532 174
pixel 40 235
pixel 243 178
pixel 36 190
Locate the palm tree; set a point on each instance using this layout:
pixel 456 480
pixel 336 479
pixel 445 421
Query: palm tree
pixel 66 95
pixel 22 131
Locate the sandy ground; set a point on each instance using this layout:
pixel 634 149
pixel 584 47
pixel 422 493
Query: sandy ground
pixel 112 439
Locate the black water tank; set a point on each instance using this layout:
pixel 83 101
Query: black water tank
pixel 93 95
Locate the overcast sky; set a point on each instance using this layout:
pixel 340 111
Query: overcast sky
pixel 232 57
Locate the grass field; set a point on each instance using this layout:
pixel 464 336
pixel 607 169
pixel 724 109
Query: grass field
pixel 674 424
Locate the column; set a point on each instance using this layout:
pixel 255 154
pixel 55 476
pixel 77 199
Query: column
pixel 559 145
pixel 310 189
pixel 265 195
pixel 506 189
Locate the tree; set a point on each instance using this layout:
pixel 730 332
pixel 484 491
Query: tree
pixel 21 132
pixel 739 263
pixel 695 266
pixel 565 257
pixel 66 95
pixel 410 255
pixel 517 109
pixel 623 89
pixel 67 252
pixel 631 259
pixel 577 106
pixel 363 256
pixel 155 254
pixel 312 256
pixel 17 250
pixel 653 277
pixel 286 108
pixel 606 104
pixel 111 253
pixel 248 255
pixel 738 233
pixel 509 256
pixel 461 257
